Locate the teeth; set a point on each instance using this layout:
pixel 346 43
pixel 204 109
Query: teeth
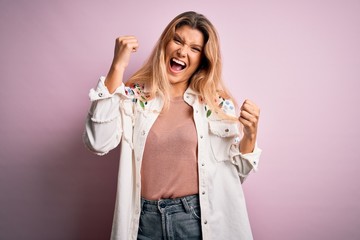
pixel 179 62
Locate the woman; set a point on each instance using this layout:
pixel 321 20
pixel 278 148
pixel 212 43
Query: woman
pixel 182 161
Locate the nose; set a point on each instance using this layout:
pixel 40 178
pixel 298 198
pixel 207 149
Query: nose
pixel 182 51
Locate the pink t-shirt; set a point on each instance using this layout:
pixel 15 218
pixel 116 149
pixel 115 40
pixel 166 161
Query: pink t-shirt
pixel 169 166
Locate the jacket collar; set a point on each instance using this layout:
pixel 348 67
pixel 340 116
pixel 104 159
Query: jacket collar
pixel 190 96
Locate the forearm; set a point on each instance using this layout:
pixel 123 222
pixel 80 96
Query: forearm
pixel 114 78
pixel 124 46
pixel 247 144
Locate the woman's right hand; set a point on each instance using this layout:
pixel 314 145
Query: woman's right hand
pixel 124 46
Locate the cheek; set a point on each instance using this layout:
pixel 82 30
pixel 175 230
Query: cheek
pixel 196 60
pixel 170 47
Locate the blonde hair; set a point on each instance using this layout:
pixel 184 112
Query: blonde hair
pixel 206 80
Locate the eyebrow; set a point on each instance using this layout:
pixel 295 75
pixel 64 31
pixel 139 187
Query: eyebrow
pixel 193 44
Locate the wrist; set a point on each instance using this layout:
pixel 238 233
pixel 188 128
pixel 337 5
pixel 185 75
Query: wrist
pixel 250 137
pixel 116 67
pixel 247 144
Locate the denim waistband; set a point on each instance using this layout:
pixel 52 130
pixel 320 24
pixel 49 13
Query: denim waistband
pixel 187 202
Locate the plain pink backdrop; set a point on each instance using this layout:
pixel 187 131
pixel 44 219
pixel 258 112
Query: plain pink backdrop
pixel 299 60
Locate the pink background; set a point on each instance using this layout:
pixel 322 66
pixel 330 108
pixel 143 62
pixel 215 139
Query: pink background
pixel 299 60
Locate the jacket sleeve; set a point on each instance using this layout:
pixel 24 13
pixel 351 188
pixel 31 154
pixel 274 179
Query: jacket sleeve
pixel 103 127
pixel 245 162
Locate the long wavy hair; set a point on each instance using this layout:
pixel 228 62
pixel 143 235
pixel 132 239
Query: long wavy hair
pixel 206 80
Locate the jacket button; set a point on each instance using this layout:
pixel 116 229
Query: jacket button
pixel 205 222
pixel 100 94
pixel 227 130
pixel 143 132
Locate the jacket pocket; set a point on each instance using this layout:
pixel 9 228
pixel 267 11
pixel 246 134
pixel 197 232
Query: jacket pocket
pixel 222 135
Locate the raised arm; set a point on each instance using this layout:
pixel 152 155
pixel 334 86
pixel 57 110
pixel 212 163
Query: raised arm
pixel 103 129
pixel 124 46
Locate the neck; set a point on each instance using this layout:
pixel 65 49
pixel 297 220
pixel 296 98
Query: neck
pixel 178 90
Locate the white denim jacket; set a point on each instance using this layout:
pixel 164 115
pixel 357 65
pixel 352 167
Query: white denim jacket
pixel 125 118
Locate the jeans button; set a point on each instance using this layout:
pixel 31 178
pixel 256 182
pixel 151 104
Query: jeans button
pixel 162 204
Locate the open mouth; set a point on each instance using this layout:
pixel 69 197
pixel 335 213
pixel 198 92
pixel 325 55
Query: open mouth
pixel 177 65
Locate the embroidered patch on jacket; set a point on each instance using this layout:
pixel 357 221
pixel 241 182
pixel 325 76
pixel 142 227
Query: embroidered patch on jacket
pixel 137 91
pixel 226 105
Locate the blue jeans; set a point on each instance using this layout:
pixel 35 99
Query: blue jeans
pixel 167 219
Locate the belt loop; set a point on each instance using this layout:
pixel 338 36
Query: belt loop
pixel 142 205
pixel 185 204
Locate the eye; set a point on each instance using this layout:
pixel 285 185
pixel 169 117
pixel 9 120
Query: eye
pixel 177 40
pixel 196 49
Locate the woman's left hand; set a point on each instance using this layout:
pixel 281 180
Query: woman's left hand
pixel 249 118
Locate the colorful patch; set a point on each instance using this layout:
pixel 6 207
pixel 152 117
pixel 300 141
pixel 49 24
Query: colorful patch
pixel 137 91
pixel 226 105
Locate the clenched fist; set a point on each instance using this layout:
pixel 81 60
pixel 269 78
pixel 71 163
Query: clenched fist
pixel 124 46
pixel 249 118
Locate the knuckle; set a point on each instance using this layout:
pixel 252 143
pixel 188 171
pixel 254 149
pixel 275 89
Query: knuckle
pixel 246 124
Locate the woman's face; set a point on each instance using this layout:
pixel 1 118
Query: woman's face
pixel 183 55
